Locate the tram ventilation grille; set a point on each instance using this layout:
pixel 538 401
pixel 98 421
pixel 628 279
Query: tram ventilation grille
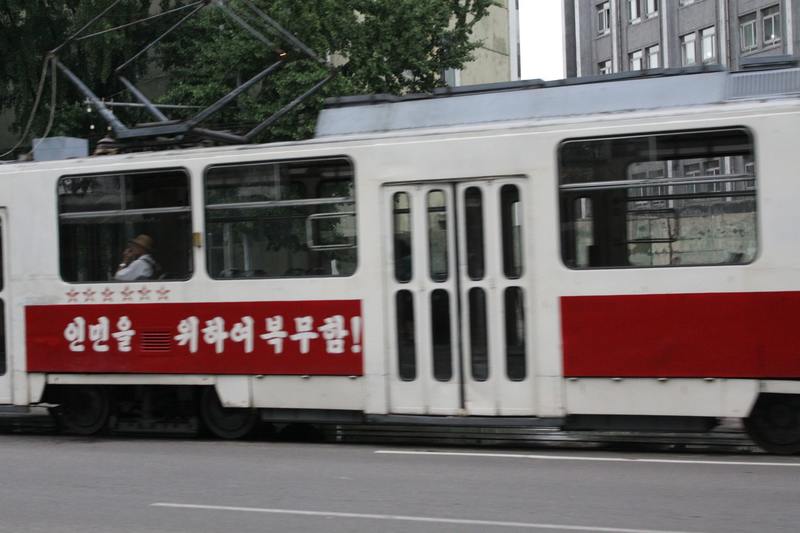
pixel 156 341
pixel 754 84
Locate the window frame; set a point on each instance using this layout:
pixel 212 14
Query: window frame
pixel 636 59
pixel 579 199
pixel 649 53
pixel 775 18
pixel 684 41
pixel 605 67
pixel 189 208
pixel 603 18
pixel 634 10
pixel 745 21
pixel 708 34
pixel 305 201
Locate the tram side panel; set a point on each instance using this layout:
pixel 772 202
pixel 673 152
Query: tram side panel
pixel 687 306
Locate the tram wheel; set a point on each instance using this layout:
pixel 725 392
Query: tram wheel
pixel 774 423
pixel 225 422
pixel 83 410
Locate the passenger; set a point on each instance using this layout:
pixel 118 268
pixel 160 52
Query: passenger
pixel 137 263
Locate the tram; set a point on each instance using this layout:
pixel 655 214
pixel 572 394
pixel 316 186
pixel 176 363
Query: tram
pixel 621 248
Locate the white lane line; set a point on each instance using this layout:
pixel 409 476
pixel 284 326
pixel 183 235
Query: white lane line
pixel 425 519
pixel 584 458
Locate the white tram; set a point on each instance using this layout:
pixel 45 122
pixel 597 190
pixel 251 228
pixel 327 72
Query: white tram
pixel 624 247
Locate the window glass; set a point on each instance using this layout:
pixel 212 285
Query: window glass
pixel 515 334
pixel 708 44
pixel 771 18
pixel 687 50
pixel 654 56
pixel 747 32
pixel 511 219
pixel 101 216
pixel 406 343
pixel 401 228
pixel 478 335
pixel 473 212
pixel 658 200
pixel 281 219
pixel 635 60
pixel 440 335
pixel 3 364
pixel 437 235
pixel 603 17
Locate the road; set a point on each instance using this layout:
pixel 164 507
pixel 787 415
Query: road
pixel 51 483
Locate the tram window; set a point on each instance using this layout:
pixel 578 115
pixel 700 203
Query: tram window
pixel 281 219
pixel 478 335
pixel 512 231
pixel 99 213
pixel 406 343
pixel 667 199
pixel 515 334
pixel 3 364
pixel 473 212
pixel 440 333
pixel 437 235
pixel 401 230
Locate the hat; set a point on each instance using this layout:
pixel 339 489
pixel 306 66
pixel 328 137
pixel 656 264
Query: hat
pixel 145 241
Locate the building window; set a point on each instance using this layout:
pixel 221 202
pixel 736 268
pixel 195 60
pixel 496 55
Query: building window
pixel 747 32
pixel 102 214
pixel 604 18
pixel 685 2
pixel 651 7
pixel 633 10
pixel 708 44
pixel 604 67
pixel 653 56
pixel 771 24
pixel 619 208
pixel 635 60
pixel 285 219
pixel 688 50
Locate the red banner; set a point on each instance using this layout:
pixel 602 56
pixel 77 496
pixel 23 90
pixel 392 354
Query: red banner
pixel 294 338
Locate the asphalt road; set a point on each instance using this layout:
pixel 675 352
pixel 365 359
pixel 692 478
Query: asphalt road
pixel 68 484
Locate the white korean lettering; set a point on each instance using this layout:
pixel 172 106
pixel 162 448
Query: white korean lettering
pixel 75 333
pixel 99 334
pixel 187 333
pixel 304 326
pixel 243 332
pixel 214 333
pixel 275 333
pixel 334 332
pixel 124 334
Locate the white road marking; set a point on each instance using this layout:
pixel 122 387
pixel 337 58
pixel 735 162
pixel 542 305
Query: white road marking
pixel 585 458
pixel 425 519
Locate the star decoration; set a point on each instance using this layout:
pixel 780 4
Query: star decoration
pixel 72 295
pixel 163 293
pixel 127 294
pixel 108 295
pixel 88 294
pixel 144 293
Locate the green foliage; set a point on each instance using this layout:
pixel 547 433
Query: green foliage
pixel 380 46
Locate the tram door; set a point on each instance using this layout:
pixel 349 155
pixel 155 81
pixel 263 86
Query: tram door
pixel 457 288
pixel 5 361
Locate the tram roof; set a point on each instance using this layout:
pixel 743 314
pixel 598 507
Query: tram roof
pixel 537 99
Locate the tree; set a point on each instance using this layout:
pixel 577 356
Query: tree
pixel 30 30
pixel 381 46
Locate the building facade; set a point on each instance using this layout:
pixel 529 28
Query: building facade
pixel 605 36
pixel 497 59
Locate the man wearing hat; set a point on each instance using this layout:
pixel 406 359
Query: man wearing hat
pixel 137 263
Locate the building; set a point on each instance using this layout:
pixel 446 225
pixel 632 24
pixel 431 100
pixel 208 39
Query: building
pixel 605 36
pixel 497 59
